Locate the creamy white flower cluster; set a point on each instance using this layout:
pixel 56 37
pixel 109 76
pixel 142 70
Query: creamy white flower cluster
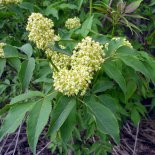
pixel 41 31
pixel 120 42
pixel 1 50
pixel 71 82
pixel 76 72
pixel 60 60
pixel 72 23
pixel 88 53
pixel 86 59
pixel 124 41
pixel 10 1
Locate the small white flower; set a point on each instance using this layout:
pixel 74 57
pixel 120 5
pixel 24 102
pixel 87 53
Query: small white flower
pixel 1 50
pixel 124 42
pixel 72 23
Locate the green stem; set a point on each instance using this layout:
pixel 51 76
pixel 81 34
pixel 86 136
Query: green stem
pixel 91 7
pixel 41 59
pixel 113 30
pixel 80 100
pixel 54 66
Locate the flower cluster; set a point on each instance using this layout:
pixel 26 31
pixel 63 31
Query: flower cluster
pixel 60 60
pixel 10 1
pixel 74 73
pixel 72 23
pixel 119 42
pixel 88 53
pixel 71 82
pixel 124 41
pixel 86 59
pixel 1 50
pixel 41 31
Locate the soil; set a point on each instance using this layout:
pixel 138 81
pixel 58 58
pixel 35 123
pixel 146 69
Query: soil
pixel 7 146
pixel 135 140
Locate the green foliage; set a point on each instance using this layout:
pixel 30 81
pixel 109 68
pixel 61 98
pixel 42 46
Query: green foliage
pixel 105 119
pixel 120 14
pixel 37 120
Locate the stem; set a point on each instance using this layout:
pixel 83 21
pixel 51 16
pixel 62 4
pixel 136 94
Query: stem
pixel 110 3
pixel 54 66
pixel 113 29
pixel 134 151
pixel 18 133
pixel 41 59
pixel 43 148
pixel 91 7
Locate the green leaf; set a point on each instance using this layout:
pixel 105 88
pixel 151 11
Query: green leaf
pixel 118 46
pixel 68 126
pixel 25 96
pixel 114 73
pixel 149 63
pixel 43 80
pixel 135 116
pixel 52 11
pixel 5 108
pixel 131 88
pixel 67 6
pixel 27 49
pixel 135 16
pixel 3 88
pixel 152 2
pixel 102 85
pixel 80 4
pixel 15 63
pixel 37 120
pixel 133 6
pixel 27 5
pixel 14 118
pixel 126 50
pixel 86 26
pixel 134 63
pixel 105 119
pixel 109 102
pixel 10 51
pixel 60 114
pixel 2 66
pixel 26 72
pixel 63 51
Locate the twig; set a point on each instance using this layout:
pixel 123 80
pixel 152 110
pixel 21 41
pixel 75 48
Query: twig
pixel 128 127
pixel 90 7
pixel 18 133
pixel 43 148
pixel 110 3
pixel 114 149
pixel 134 151
pixel 10 145
pixel 3 144
pixel 128 146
